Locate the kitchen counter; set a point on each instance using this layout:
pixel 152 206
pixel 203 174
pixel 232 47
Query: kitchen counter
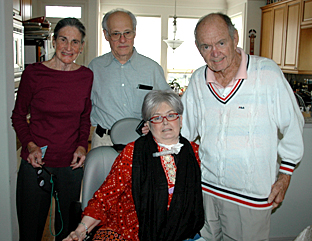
pixel 308 122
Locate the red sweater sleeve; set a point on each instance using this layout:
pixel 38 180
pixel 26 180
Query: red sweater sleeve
pixel 195 149
pixel 21 109
pixel 85 124
pixel 117 188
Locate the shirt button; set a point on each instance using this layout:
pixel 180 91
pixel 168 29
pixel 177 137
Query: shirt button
pixel 121 66
pixel 122 85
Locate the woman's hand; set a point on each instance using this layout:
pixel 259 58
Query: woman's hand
pixel 79 157
pixel 87 224
pixel 76 235
pixel 35 155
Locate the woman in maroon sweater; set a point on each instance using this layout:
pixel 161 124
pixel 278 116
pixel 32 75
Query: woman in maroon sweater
pixel 52 110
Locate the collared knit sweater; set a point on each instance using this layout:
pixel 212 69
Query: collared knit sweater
pixel 239 133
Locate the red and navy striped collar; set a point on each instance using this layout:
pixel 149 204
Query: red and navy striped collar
pixel 236 87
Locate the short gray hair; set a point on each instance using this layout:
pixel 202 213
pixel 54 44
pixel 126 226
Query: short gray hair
pixel 106 16
pixel 156 97
pixel 226 19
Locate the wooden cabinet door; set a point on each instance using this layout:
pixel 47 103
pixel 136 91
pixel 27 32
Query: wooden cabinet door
pixel 278 34
pixel 305 51
pixel 307 12
pixel 266 33
pixel 292 35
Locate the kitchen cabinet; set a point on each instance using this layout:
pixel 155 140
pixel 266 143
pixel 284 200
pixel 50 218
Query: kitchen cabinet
pixel 305 50
pixel 22 9
pixel 306 13
pixel 280 31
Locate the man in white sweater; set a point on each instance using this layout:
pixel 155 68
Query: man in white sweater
pixel 236 105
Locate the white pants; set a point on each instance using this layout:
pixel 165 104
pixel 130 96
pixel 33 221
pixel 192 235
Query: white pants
pixel 100 141
pixel 228 221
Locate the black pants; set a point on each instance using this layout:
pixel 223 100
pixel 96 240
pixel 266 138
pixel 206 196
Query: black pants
pixel 33 202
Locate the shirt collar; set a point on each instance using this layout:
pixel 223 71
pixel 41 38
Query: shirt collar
pixel 131 61
pixel 241 73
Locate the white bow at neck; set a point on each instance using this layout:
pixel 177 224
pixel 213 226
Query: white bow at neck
pixel 172 149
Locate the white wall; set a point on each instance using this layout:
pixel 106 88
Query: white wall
pixel 8 220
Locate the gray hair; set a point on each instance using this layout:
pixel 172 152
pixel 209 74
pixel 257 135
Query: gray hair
pixel 106 16
pixel 156 97
pixel 72 22
pixel 226 19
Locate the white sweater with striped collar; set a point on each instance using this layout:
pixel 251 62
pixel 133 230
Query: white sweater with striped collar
pixel 238 134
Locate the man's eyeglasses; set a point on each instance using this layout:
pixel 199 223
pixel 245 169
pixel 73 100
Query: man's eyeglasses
pixel 129 34
pixel 159 119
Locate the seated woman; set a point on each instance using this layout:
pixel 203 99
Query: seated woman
pixel 153 191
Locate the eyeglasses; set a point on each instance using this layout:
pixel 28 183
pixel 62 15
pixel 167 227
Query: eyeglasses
pixel 159 119
pixel 117 35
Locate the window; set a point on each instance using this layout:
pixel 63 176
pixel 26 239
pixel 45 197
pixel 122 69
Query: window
pixel 148 37
pixel 62 12
pixel 186 58
pixel 147 40
pixel 238 24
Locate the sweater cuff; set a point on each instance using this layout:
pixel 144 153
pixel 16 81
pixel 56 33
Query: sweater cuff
pixel 287 167
pixel 83 144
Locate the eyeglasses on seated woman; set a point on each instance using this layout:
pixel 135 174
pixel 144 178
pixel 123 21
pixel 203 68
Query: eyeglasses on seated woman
pixel 153 191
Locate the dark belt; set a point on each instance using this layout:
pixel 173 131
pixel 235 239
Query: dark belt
pixel 100 131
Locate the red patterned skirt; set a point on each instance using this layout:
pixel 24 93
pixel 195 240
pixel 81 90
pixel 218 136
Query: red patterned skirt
pixel 107 235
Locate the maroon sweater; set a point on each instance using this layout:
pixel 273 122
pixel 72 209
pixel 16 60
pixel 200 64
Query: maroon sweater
pixel 59 105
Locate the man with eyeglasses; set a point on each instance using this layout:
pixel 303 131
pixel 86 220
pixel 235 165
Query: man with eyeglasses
pixel 236 104
pixel 122 77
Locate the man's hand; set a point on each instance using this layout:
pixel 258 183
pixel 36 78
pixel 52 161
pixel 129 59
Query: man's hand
pixel 279 189
pixel 145 129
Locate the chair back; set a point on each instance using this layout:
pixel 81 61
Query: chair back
pixel 123 131
pixel 98 164
pixel 99 160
